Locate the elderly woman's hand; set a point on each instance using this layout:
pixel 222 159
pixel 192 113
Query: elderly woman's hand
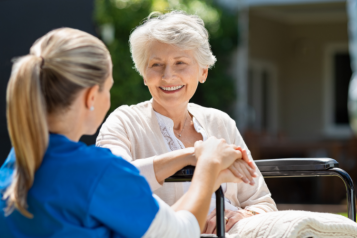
pixel 232 216
pixel 244 168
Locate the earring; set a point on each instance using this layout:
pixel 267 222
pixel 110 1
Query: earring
pixel 91 108
pixel 203 81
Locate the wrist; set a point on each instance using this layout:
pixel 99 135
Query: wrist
pixel 189 154
pixel 209 166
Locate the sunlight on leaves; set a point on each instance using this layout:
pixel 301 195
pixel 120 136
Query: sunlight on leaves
pixel 160 6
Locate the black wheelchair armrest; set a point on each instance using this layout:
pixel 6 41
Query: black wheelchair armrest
pixel 270 165
pixel 296 164
pixel 292 167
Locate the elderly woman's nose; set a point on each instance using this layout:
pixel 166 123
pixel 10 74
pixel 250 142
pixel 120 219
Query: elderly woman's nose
pixel 168 73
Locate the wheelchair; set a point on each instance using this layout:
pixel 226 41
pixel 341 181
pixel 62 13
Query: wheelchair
pixel 280 168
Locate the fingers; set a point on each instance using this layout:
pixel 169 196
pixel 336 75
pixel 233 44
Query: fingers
pixel 211 226
pixel 212 214
pixel 235 171
pixel 245 168
pixel 246 158
pixel 198 143
pixel 238 166
pixel 233 219
pixel 242 168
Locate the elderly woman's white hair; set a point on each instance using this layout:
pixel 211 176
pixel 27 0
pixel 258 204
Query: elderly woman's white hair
pixel 175 28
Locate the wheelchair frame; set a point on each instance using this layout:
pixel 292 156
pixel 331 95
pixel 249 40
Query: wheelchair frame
pixel 279 168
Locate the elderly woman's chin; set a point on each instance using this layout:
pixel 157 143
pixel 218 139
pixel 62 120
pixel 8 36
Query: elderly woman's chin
pixel 172 100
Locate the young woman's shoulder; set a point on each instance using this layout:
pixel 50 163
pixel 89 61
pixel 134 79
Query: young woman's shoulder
pixel 67 159
pixel 98 157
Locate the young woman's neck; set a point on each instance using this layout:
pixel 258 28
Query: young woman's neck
pixel 69 123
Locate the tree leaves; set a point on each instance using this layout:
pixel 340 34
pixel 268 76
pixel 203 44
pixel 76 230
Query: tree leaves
pixel 122 16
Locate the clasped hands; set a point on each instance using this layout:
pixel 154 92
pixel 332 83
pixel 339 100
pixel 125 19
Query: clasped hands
pixel 239 166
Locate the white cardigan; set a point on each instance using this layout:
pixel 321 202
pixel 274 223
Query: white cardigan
pixel 134 134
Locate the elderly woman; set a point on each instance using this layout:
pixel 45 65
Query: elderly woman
pixel 172 54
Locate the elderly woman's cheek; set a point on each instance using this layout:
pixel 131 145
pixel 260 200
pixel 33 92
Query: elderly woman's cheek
pixel 151 75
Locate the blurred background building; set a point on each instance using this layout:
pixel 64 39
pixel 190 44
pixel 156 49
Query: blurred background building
pixel 293 68
pixel 283 72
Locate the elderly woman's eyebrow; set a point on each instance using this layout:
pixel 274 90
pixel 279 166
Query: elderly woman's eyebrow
pixel 177 57
pixel 183 56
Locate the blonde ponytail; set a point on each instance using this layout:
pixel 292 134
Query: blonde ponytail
pixel 44 82
pixel 27 125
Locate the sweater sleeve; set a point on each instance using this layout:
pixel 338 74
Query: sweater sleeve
pixel 257 197
pixel 113 135
pixel 168 223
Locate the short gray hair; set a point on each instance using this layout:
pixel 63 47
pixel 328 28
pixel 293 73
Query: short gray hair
pixel 177 28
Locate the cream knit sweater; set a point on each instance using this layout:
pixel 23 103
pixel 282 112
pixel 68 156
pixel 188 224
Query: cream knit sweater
pixel 134 134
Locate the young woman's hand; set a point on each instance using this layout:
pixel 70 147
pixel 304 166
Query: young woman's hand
pixel 226 176
pixel 218 152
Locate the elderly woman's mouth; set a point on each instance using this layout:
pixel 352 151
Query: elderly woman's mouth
pixel 171 89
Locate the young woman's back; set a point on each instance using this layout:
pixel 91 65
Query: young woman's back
pixel 77 189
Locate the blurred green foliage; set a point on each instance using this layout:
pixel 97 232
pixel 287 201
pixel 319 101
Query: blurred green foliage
pixel 116 19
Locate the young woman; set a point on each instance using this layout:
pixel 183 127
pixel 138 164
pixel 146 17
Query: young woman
pixel 54 186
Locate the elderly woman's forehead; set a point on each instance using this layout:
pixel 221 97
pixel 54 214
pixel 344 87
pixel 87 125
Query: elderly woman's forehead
pixel 158 49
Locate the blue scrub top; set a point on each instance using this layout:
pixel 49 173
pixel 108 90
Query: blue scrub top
pixel 80 191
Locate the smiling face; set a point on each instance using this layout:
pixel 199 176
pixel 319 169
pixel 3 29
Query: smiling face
pixel 172 75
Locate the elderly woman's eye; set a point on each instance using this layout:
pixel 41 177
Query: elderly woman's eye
pixel 180 62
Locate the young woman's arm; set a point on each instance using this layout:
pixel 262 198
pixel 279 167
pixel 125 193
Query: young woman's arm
pixel 214 157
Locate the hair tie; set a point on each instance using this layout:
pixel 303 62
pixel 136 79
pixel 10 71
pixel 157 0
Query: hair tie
pixel 42 62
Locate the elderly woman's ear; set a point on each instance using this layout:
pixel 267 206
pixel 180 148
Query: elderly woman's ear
pixel 203 75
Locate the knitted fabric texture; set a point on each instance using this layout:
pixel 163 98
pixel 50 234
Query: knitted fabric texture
pixel 300 224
